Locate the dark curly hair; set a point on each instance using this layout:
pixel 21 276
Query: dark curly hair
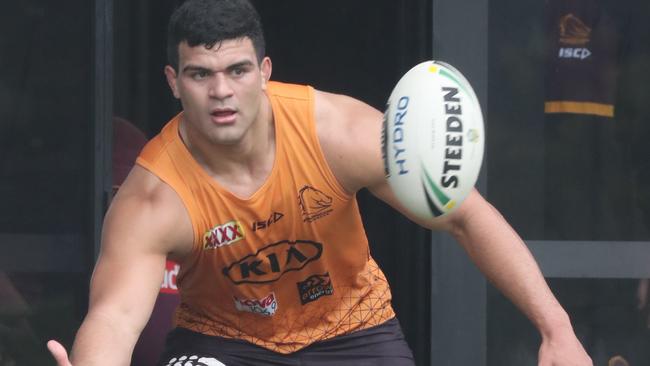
pixel 209 22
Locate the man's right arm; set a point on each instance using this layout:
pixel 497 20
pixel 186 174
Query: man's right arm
pixel 145 223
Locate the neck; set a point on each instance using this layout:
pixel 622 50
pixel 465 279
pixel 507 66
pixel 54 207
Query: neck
pixel 249 159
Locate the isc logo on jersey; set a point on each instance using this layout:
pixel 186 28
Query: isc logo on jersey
pixel 574 36
pixel 432 139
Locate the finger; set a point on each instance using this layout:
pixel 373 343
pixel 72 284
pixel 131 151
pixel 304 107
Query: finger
pixel 59 353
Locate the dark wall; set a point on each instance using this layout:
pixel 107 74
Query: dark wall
pixel 45 84
pixel 45 174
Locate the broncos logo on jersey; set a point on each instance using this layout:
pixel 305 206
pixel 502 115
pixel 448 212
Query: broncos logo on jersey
pixel 313 203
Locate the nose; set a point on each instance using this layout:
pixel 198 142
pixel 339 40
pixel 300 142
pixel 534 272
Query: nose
pixel 220 87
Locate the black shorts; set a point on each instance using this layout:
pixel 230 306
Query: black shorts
pixel 380 345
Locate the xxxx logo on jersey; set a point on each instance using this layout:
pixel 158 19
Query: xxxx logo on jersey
pixel 224 234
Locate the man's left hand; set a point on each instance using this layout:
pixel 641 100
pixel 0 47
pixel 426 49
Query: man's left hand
pixel 563 349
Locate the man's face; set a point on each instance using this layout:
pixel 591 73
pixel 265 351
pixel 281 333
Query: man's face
pixel 221 89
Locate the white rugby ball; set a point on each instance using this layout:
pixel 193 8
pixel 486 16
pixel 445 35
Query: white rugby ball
pixel 433 139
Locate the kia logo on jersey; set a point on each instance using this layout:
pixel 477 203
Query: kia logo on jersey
pixel 224 234
pixel 273 261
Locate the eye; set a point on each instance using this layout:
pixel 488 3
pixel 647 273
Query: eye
pixel 200 75
pixel 238 71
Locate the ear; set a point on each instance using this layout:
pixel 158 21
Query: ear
pixel 170 73
pixel 266 68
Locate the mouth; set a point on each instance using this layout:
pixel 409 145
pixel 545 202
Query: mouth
pixel 223 116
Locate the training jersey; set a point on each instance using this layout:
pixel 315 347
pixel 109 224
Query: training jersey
pixel 583 47
pixel 288 266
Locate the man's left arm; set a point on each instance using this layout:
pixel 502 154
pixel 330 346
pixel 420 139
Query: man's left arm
pixel 350 135
pixel 501 255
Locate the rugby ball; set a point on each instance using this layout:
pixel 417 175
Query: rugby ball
pixel 432 139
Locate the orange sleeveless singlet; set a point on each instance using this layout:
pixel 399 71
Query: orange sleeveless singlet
pixel 289 265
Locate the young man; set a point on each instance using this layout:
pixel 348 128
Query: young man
pixel 250 189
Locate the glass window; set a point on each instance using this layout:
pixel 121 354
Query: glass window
pixel 568 160
pixel 45 75
pixel 609 316
pixel 36 307
pixel 568 118
pixel 45 174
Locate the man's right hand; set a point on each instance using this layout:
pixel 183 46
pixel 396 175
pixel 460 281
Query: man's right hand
pixel 59 353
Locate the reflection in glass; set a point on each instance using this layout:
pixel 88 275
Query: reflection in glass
pixel 45 185
pixel 45 78
pixel 569 159
pixel 608 317
pixel 568 117
pixel 34 308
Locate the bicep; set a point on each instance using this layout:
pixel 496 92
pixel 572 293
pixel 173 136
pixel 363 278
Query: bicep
pixel 350 136
pixel 124 287
pixel 139 232
pixel 128 273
